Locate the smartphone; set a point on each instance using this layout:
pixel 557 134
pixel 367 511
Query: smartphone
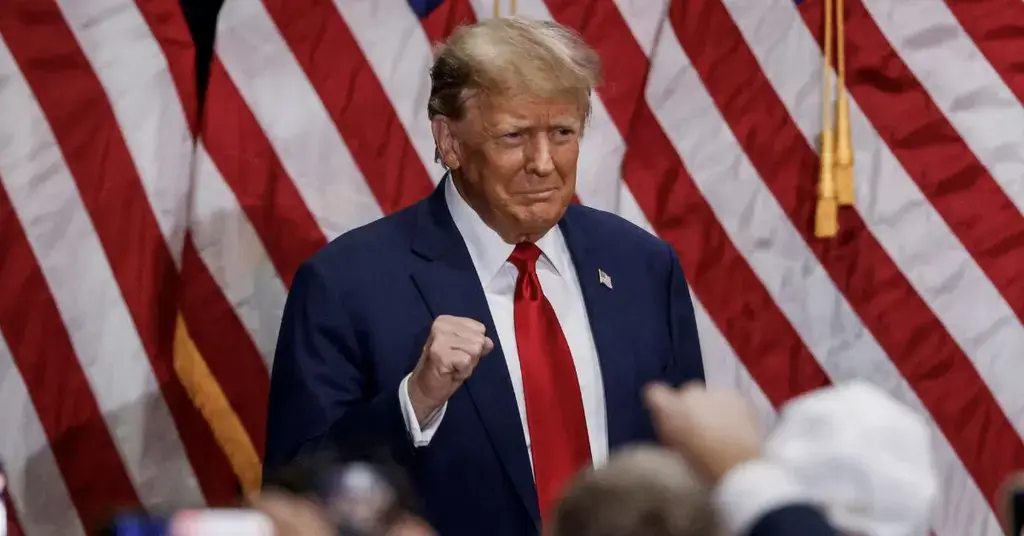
pixel 198 522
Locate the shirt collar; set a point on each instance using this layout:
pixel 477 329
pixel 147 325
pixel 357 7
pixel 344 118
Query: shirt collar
pixel 487 249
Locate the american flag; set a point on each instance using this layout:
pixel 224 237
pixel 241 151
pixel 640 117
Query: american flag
pixel 149 230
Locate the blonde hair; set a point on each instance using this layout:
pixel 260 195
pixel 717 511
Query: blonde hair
pixel 510 56
pixel 643 491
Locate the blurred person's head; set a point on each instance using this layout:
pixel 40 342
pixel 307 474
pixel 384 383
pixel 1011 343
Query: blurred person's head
pixel 862 455
pixel 363 493
pixel 509 99
pixel 642 491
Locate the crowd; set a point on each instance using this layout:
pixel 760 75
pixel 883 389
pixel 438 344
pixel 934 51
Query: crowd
pixel 849 452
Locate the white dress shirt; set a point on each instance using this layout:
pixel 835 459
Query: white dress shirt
pixel 561 286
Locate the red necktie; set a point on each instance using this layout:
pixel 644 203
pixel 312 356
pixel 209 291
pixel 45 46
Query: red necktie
pixel 554 407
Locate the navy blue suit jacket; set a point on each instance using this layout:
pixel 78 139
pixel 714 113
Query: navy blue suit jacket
pixel 793 520
pixel 357 317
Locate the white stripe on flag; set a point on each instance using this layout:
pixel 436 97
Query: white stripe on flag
pixel 134 73
pixel 396 46
pixel 235 256
pixel 34 480
pixel 302 133
pixel 723 368
pixel 57 225
pixel 962 82
pixel 645 19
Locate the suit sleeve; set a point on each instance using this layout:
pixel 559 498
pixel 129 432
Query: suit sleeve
pixel 687 363
pixel 759 498
pixel 320 393
pixel 793 520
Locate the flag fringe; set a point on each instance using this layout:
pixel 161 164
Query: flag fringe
pixel 826 219
pixel 845 192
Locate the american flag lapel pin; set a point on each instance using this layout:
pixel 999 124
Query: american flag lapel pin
pixel 604 278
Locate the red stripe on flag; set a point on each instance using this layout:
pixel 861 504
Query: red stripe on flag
pixel 227 348
pixel 355 100
pixel 997 29
pixel 84 125
pixel 250 166
pixel 733 295
pixel 931 150
pixel 167 22
pixel 892 311
pixel 41 349
pixel 445 18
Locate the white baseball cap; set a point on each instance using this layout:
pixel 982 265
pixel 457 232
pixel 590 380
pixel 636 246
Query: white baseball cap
pixel 864 456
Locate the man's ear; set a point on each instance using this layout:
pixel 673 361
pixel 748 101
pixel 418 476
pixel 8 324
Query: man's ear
pixel 445 141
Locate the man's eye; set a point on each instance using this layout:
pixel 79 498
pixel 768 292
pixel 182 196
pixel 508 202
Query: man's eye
pixel 513 135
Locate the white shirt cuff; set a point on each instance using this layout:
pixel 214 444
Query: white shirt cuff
pixel 752 490
pixel 420 436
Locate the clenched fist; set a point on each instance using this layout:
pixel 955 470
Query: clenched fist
pixel 454 347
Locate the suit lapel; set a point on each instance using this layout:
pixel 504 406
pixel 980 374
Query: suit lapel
pixel 449 284
pixel 604 309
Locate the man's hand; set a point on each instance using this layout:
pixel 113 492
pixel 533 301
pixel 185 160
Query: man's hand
pixel 714 430
pixel 454 347
pixel 292 515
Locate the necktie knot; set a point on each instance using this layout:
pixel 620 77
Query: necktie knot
pixel 524 257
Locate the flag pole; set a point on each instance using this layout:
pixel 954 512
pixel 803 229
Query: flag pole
pixel 845 192
pixel 826 220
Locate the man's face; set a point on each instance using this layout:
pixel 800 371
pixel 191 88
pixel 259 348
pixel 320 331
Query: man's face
pixel 517 162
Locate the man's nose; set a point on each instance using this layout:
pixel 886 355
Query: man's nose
pixel 538 156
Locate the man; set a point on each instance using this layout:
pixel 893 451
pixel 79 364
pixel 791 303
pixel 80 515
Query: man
pixel 862 455
pixel 493 336
pixel 718 435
